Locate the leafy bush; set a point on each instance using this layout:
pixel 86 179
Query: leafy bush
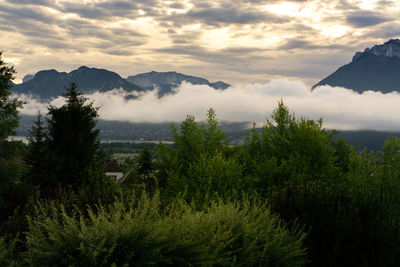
pixel 192 141
pixel 144 233
pixel 7 252
pixel 289 149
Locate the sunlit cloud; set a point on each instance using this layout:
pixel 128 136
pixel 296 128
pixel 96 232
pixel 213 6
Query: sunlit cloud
pixel 340 108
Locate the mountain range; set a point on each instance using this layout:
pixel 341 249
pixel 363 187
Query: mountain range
pixel 376 69
pixel 47 84
pixel 167 81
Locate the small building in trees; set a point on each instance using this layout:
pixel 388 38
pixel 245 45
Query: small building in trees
pixel 113 170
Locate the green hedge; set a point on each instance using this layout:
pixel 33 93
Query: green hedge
pixel 224 234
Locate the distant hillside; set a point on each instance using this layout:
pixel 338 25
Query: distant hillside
pixel 376 69
pixel 50 83
pixel 119 130
pixel 167 81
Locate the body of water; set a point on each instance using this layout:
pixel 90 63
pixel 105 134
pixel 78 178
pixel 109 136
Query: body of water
pixel 25 140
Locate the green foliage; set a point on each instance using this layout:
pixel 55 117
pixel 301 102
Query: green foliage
pixel 72 137
pixel 145 163
pixel 8 106
pixel 12 186
pixel 391 158
pixel 342 155
pixel 194 139
pixel 98 189
pixel 209 177
pixel 37 156
pixel 143 233
pixel 145 168
pixel 289 150
pixel 198 166
pixel 10 170
pixel 7 252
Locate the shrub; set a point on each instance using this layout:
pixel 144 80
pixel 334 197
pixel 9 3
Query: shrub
pixel 7 252
pixel 144 233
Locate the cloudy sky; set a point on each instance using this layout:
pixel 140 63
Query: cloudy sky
pixel 237 41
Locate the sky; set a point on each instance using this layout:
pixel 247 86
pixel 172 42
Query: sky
pixel 239 42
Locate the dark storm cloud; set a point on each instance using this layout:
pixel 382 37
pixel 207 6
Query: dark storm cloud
pixel 365 19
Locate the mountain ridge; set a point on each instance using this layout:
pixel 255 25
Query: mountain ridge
pixel 390 48
pixel 166 82
pixel 376 69
pixel 46 84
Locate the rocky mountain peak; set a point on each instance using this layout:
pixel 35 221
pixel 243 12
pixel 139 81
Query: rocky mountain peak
pixel 389 49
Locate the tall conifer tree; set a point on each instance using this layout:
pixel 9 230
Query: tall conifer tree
pixel 72 137
pixel 37 153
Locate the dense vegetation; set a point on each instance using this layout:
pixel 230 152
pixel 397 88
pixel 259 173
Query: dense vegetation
pixel 292 195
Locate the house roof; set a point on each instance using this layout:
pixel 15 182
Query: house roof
pixel 112 166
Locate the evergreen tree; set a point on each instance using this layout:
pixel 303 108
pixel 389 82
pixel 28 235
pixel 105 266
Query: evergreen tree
pixel 72 137
pixel 145 167
pixel 145 162
pixel 37 153
pixel 8 106
pixel 9 169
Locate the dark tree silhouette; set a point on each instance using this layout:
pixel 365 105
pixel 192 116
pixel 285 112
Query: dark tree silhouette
pixel 8 106
pixel 37 154
pixel 72 137
pixel 9 170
